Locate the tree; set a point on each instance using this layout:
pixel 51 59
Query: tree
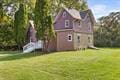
pixel 76 4
pixel 108 34
pixel 20 23
pixel 43 21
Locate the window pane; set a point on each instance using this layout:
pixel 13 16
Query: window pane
pixel 78 38
pixel 69 37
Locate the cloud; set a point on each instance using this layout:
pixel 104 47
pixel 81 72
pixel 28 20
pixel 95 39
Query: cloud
pixel 100 10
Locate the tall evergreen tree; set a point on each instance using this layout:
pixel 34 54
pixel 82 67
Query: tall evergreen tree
pixel 1 12
pixel 20 24
pixel 43 21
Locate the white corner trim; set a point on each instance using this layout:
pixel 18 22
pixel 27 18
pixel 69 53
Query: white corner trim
pixel 64 30
pixel 73 22
pixel 78 34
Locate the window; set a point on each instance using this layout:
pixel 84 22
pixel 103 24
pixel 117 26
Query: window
pixel 66 23
pixel 78 38
pixel 69 37
pixel 89 40
pixel 89 27
pixel 79 24
pixel 64 14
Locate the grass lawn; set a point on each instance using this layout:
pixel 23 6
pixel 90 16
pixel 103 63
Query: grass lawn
pixel 101 64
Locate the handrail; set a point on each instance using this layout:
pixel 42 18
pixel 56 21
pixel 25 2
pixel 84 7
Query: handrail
pixel 28 46
pixel 33 45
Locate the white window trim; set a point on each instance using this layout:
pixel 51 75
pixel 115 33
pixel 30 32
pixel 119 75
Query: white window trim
pixel 68 37
pixel 68 23
pixel 73 23
pixel 78 34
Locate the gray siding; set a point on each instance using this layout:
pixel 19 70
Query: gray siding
pixel 84 41
pixel 84 27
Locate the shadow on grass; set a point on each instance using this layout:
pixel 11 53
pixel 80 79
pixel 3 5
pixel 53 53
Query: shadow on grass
pixel 20 56
pixel 9 52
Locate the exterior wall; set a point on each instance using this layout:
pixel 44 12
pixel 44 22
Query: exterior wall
pixel 31 34
pixel 91 43
pixel 85 24
pixel 84 42
pixel 62 41
pixel 84 30
pixel 53 45
pixel 60 24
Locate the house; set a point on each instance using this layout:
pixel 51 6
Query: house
pixel 31 33
pixel 74 30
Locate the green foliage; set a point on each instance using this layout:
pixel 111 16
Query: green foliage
pixel 43 20
pixel 108 34
pixel 42 17
pixel 20 24
pixel 76 4
pixel 6 32
pixel 6 29
pixel 44 11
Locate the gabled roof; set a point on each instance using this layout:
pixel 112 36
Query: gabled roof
pixel 83 14
pixel 74 13
pixel 89 11
pixel 77 14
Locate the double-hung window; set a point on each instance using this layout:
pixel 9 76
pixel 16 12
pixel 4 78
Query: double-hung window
pixel 69 37
pixel 67 23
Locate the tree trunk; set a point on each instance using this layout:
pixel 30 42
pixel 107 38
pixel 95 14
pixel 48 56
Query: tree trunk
pixel 46 45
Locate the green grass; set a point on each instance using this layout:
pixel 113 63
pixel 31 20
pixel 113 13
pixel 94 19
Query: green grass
pixel 101 64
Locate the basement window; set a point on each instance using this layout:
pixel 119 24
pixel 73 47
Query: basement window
pixel 78 38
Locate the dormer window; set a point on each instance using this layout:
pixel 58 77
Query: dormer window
pixel 67 23
pixel 89 27
pixel 64 14
pixel 79 24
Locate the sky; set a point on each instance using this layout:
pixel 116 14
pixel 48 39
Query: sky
pixel 103 7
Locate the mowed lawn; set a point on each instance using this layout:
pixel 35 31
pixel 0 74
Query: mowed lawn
pixel 103 64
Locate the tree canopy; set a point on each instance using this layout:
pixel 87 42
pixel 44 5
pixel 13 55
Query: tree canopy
pixel 43 21
pixel 108 34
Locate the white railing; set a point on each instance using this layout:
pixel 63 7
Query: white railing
pixel 32 46
pixel 29 45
